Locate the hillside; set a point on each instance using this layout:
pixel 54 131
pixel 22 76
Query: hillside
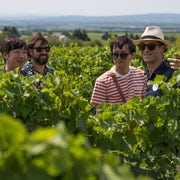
pixel 169 22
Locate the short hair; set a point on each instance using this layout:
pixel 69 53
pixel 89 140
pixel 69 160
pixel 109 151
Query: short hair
pixel 12 42
pixel 36 37
pixel 119 41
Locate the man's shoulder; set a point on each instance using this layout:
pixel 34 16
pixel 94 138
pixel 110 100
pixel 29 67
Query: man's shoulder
pixel 137 70
pixel 50 69
pixel 27 65
pixel 166 70
pixel 165 66
pixel 103 77
pixel 27 69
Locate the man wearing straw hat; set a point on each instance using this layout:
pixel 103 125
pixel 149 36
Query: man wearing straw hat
pixel 153 46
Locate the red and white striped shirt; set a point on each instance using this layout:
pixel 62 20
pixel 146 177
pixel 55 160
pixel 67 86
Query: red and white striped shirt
pixel 132 84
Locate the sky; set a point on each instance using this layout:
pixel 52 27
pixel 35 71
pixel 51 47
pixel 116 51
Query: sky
pixel 88 7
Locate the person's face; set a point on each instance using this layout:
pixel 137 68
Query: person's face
pixel 40 53
pixel 15 58
pixel 151 51
pixel 121 57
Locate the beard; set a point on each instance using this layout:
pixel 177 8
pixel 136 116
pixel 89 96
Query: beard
pixel 41 60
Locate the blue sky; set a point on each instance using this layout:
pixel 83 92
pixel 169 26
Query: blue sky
pixel 88 7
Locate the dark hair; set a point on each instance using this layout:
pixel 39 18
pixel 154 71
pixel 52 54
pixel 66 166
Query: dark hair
pixel 36 37
pixel 12 42
pixel 119 41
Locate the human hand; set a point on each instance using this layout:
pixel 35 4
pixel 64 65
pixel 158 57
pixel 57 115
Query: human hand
pixel 175 62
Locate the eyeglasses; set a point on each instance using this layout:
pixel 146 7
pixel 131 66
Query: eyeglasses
pixel 40 49
pixel 151 46
pixel 122 55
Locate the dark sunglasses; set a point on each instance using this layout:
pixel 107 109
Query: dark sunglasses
pixel 151 46
pixel 122 55
pixel 40 49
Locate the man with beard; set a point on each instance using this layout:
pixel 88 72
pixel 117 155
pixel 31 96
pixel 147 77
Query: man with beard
pixel 38 52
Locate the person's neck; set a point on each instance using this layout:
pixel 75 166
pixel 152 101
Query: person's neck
pixel 39 68
pixel 152 66
pixel 122 71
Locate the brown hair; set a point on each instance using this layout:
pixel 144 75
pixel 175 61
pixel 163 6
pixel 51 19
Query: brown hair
pixel 36 37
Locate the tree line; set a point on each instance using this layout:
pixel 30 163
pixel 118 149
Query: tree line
pixel 78 35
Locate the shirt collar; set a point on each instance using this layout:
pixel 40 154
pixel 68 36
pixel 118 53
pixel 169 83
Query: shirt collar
pixel 159 70
pixel 113 70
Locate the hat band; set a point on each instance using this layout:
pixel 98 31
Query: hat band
pixel 152 37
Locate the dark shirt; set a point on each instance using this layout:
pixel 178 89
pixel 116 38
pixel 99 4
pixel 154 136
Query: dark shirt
pixel 29 70
pixel 163 69
pixel 4 69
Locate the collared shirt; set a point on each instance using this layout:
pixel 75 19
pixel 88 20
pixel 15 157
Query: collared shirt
pixel 163 69
pixel 29 70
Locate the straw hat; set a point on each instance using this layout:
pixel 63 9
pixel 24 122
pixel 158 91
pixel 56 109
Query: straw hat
pixel 153 33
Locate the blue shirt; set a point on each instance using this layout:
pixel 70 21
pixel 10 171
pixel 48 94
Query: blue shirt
pixel 163 69
pixel 29 70
pixel 4 69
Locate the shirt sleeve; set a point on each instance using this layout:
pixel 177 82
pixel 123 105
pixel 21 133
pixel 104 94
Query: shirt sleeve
pixel 99 94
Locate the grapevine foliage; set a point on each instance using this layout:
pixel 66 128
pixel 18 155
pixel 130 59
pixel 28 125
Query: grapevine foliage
pixel 51 133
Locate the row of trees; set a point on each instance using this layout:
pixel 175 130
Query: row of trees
pixel 108 35
pixel 8 30
pixel 78 35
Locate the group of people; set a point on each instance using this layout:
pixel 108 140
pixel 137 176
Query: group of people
pixel 31 57
pixel 116 86
pixel 122 82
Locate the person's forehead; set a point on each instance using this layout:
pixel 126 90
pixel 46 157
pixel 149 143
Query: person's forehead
pixel 18 49
pixel 40 43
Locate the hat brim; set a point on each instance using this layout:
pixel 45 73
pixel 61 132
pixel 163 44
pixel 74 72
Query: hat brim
pixel 165 42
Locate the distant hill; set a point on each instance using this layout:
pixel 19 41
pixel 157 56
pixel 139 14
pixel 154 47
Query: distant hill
pixel 169 22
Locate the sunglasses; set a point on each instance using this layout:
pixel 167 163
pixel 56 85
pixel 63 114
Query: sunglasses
pixel 151 46
pixel 40 49
pixel 122 55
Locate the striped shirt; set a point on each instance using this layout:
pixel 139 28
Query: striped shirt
pixel 132 84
